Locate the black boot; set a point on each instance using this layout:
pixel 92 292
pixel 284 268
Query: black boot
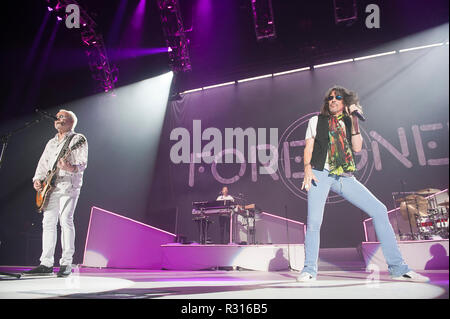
pixel 64 271
pixel 40 270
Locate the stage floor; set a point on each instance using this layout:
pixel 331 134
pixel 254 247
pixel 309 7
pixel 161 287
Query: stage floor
pixel 94 283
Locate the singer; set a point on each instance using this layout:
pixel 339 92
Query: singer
pixel 64 196
pixel 331 139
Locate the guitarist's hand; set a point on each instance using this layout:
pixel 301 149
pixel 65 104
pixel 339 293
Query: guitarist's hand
pixel 37 185
pixel 65 165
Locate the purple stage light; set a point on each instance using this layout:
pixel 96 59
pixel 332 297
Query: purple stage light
pixel 59 18
pixel 203 20
pixel 117 22
pixel 37 40
pixel 122 54
pixel 49 8
pixel 133 32
pixel 169 49
pixel 204 7
pixel 42 65
pixel 18 84
pixel 138 15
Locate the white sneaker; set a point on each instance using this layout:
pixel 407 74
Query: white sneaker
pixel 305 277
pixel 412 276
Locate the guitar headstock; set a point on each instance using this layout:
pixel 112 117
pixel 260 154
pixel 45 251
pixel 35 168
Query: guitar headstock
pixel 78 144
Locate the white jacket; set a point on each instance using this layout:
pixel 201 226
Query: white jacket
pixel 66 182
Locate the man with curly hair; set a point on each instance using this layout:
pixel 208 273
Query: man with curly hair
pixel 331 139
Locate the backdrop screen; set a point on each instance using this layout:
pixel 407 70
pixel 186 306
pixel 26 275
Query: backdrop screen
pixel 405 140
pixel 146 157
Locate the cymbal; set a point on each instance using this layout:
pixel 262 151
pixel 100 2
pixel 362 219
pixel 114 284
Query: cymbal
pixel 444 204
pixel 413 210
pixel 427 191
pixel 412 199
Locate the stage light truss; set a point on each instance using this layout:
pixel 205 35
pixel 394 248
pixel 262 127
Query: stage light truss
pixel 102 71
pixel 175 35
pixel 345 11
pixel 263 19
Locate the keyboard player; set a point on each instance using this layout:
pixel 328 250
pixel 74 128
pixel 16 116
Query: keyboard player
pixel 224 221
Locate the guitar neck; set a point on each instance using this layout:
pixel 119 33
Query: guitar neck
pixel 65 154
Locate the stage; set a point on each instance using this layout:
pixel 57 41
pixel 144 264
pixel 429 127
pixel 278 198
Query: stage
pixel 210 137
pixel 150 265
pixel 94 283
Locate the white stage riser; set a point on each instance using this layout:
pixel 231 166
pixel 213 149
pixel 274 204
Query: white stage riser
pixel 252 257
pixel 419 255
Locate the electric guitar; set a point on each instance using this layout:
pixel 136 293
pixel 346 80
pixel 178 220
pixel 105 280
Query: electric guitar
pixel 48 183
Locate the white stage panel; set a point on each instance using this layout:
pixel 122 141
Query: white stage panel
pixel 253 257
pixel 419 255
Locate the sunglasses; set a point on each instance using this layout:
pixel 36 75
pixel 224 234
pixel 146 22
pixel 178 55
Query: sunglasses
pixel 338 97
pixel 62 117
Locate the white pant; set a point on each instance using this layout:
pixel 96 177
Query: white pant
pixel 62 207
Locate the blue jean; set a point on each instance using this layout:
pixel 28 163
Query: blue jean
pixel 357 194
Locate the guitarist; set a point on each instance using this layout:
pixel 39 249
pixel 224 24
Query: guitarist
pixel 63 197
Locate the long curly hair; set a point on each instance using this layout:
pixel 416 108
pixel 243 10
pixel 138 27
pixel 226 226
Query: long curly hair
pixel 350 97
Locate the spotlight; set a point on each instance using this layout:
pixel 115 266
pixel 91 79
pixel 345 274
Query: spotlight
pixel 263 19
pixel 49 8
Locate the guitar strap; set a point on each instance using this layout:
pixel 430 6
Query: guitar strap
pixel 64 149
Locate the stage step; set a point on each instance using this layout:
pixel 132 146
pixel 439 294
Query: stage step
pixel 349 259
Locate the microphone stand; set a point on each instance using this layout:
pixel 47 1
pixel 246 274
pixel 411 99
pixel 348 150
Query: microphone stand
pixel 10 275
pixel 4 139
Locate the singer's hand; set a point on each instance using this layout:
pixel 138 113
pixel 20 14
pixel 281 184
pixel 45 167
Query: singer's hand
pixel 352 108
pixel 309 177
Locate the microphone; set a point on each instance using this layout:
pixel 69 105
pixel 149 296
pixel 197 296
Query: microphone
pixel 358 113
pixel 48 115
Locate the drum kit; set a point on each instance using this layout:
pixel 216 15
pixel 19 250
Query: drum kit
pixel 427 218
